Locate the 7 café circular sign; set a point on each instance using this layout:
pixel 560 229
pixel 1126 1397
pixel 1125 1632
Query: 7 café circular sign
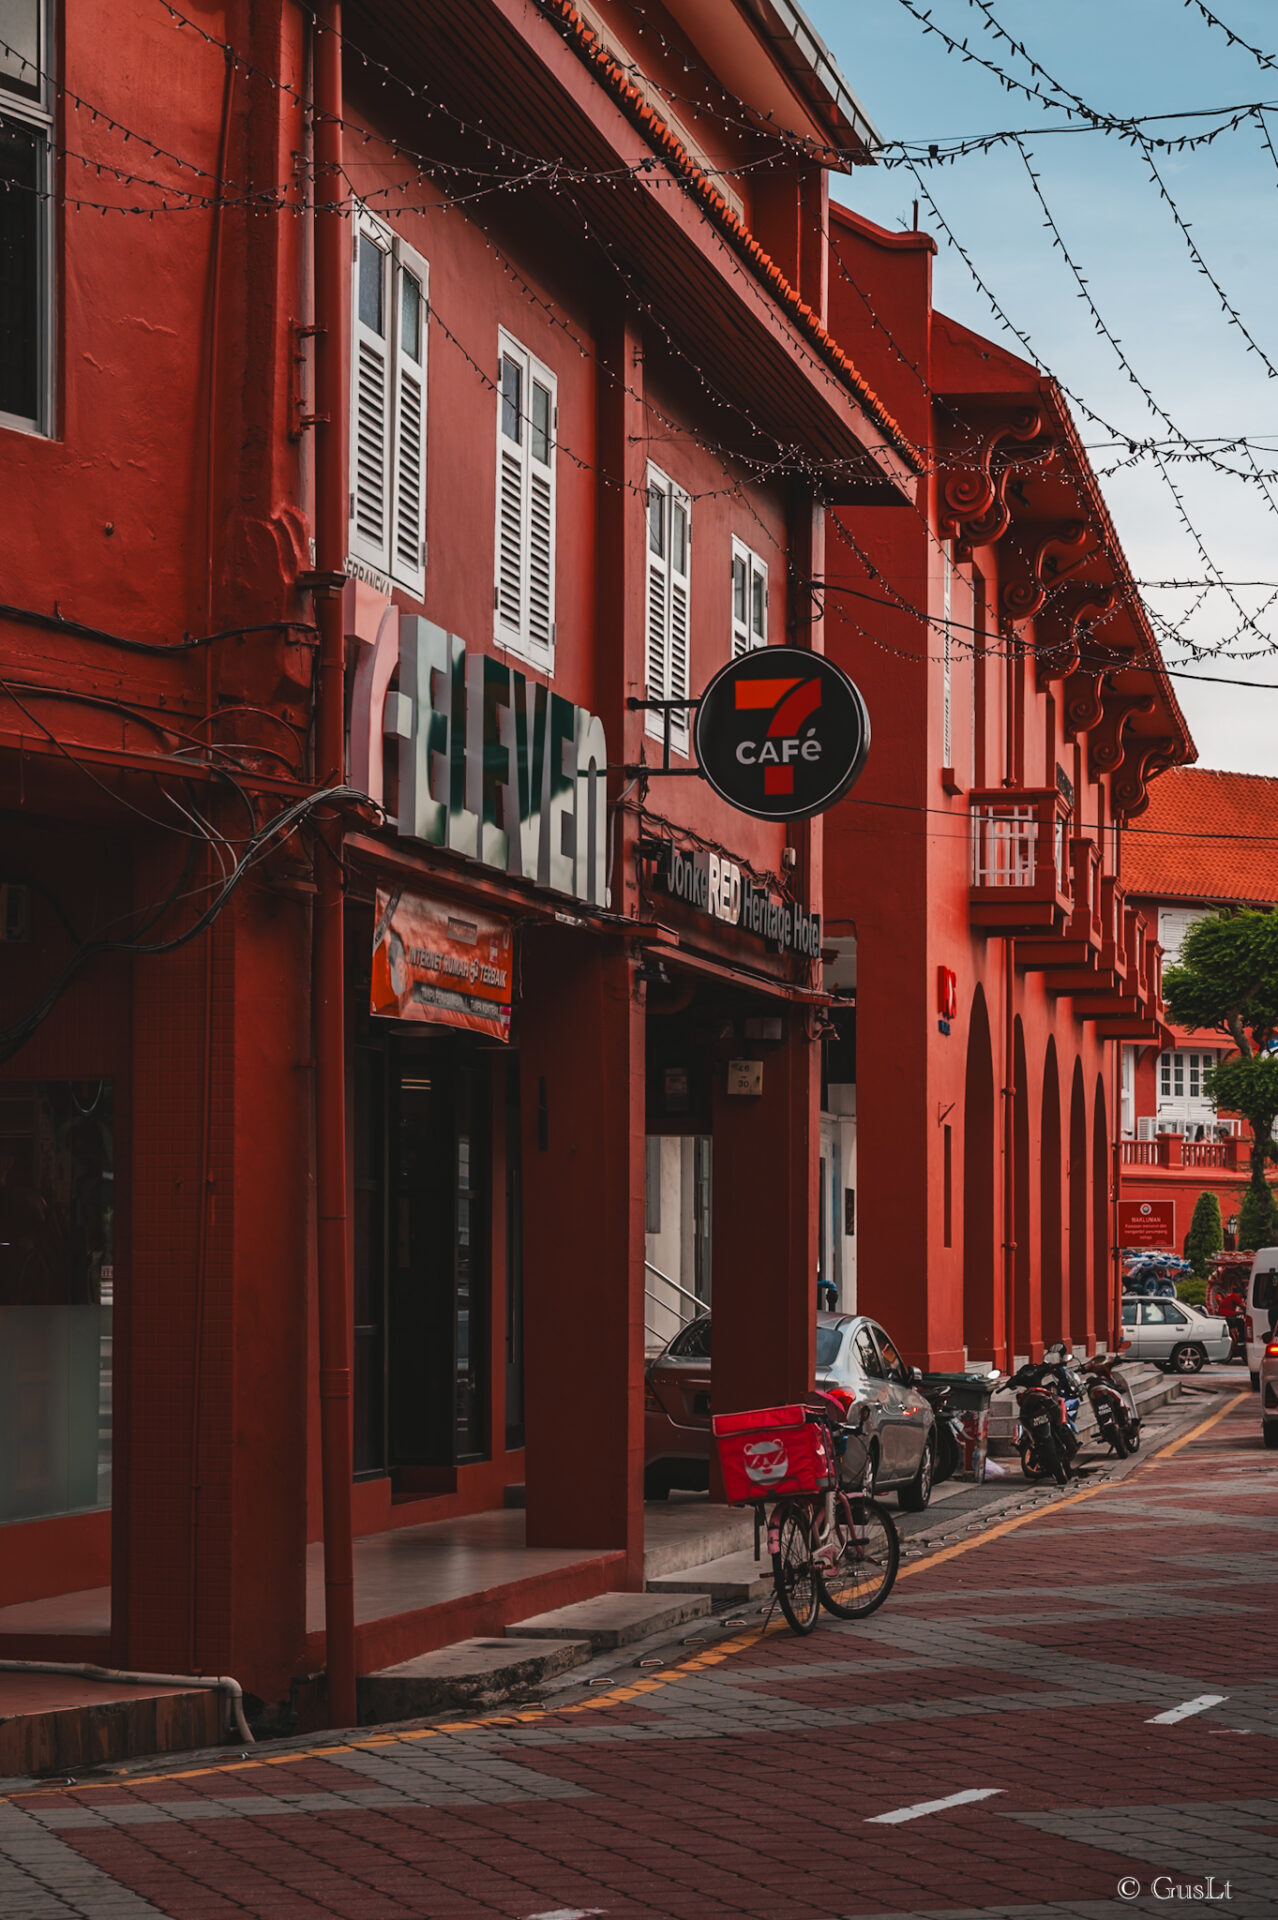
pixel 781 733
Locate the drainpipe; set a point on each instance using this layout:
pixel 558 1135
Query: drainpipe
pixel 1115 1185
pixel 219 1682
pixel 1009 1151
pixel 336 1333
pixel 1011 763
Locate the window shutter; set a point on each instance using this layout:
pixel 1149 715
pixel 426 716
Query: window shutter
pixel 512 448
pixel 540 469
pixel 655 645
pixel 371 396
pixel 408 560
pixel 749 600
pixel 524 589
pixel 758 602
pixel 680 637
pixel 740 600
pixel 668 633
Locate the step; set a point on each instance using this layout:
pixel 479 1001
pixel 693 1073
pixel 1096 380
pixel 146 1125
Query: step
pixel 62 1723
pixel 686 1533
pixel 613 1619
pixel 470 1673
pixel 733 1577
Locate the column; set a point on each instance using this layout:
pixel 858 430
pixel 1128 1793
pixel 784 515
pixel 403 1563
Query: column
pixel 581 1030
pixel 764 1231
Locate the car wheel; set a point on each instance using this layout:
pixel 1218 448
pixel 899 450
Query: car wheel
pixel 949 1455
pixel 1270 1432
pixel 914 1497
pixel 870 1475
pixel 1187 1359
pixel 1255 1383
pixel 656 1485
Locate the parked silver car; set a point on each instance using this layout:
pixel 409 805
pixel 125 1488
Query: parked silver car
pixel 1171 1335
pixel 851 1352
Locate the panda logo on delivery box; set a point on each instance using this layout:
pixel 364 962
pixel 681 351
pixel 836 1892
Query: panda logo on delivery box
pixel 766 1461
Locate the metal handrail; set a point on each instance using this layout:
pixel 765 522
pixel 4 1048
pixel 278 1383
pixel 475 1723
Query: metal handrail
pixel 696 1299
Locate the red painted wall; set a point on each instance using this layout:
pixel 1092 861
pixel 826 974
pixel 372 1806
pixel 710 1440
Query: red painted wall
pixel 174 499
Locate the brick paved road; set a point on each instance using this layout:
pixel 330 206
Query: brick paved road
pixel 746 1779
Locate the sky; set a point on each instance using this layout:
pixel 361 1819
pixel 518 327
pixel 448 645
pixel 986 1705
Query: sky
pixel 1124 58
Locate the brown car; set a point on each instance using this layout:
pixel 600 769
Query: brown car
pixel 851 1352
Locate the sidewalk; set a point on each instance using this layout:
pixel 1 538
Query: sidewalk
pixel 752 1776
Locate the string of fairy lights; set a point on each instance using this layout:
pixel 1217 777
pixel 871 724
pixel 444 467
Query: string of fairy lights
pixel 538 172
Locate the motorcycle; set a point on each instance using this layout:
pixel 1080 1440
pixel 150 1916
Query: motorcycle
pixel 1114 1410
pixel 1048 1397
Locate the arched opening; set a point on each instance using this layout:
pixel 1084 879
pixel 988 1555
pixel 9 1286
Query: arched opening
pixel 1050 1225
pixel 1079 1329
pixel 979 1272
pixel 1102 1281
pixel 1024 1329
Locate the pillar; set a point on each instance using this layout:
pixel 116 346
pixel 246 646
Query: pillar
pixel 764 1227
pixel 581 1028
pixel 210 1539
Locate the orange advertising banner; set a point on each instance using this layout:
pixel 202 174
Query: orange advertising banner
pixel 448 965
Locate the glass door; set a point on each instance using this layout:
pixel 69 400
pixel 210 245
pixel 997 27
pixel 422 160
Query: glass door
pixel 438 1271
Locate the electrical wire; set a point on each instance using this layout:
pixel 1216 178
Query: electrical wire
pixel 263 842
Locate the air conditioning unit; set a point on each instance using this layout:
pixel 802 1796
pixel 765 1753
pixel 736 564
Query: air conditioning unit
pixel 1145 1127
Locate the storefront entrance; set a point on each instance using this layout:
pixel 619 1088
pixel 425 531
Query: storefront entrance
pixel 423 1172
pixel 57 1223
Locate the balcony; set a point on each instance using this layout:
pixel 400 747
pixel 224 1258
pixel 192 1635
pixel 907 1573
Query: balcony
pixel 1135 1011
pixel 1078 944
pixel 1170 1151
pixel 1021 879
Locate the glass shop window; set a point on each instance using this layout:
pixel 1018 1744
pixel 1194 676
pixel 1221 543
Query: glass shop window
pixel 57 1274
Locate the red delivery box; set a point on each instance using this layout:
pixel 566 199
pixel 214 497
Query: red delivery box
pixel 772 1451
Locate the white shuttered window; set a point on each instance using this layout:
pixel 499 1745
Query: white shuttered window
pixel 749 600
pixel 524 586
pixel 668 631
pixel 388 405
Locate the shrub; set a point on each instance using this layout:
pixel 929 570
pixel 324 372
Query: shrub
pixel 1206 1235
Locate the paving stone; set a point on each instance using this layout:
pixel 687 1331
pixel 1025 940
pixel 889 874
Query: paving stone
pixel 739 1786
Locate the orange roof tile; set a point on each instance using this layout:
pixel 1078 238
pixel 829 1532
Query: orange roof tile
pixel 1205 836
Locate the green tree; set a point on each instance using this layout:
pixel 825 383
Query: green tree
pixel 1227 979
pixel 1206 1235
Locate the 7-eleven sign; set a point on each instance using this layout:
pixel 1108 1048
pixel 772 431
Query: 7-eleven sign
pixel 781 733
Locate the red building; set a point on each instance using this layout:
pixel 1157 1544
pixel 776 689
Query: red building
pixel 388 404
pixel 975 878
pixel 1205 843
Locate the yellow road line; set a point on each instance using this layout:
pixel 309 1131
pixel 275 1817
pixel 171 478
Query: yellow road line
pixel 711 1657
pixel 1087 1493
pixel 1165 1453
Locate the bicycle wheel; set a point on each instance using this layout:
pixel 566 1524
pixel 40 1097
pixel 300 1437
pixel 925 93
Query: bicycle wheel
pixel 868 1552
pixel 793 1571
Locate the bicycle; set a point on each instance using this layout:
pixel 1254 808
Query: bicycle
pixel 830 1545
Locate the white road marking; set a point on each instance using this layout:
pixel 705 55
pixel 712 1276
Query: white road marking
pixel 1187 1707
pixel 932 1806
pixel 569 1913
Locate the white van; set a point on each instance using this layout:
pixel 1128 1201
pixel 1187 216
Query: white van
pixel 1262 1307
